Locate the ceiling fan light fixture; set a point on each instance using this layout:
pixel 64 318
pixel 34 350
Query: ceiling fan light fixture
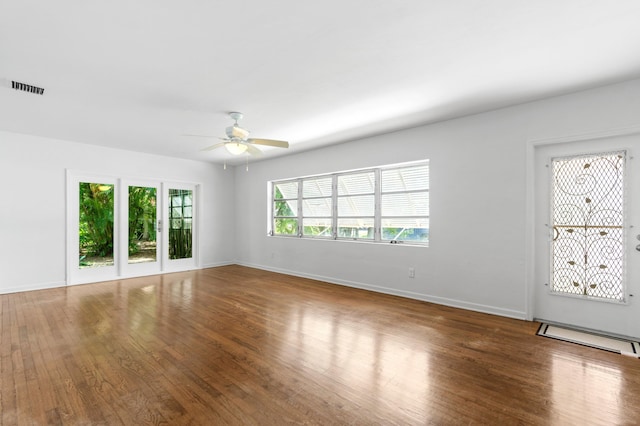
pixel 237 132
pixel 238 142
pixel 235 148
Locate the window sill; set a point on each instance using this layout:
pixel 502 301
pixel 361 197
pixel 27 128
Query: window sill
pixel 355 240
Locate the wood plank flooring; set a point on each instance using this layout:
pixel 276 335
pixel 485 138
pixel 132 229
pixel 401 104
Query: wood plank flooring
pixel 235 345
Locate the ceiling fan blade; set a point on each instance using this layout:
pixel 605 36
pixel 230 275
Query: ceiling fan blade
pixel 269 142
pixel 253 151
pixel 212 147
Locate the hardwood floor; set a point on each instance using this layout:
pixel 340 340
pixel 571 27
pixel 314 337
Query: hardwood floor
pixel 235 345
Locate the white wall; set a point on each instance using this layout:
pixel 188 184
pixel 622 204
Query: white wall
pixel 477 258
pixel 33 205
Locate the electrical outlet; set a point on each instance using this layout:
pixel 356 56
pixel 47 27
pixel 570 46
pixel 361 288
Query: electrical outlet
pixel 412 272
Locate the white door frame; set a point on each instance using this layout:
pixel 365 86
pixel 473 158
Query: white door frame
pixel 530 217
pixel 74 274
pixel 174 265
pixel 137 270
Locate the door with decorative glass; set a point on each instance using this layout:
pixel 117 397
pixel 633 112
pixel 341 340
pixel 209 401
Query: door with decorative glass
pixel 179 227
pixel 587 266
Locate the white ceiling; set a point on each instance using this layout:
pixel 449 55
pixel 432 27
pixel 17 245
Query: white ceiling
pixel 140 74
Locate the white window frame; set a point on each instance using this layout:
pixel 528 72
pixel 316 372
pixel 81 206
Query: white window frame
pixel 331 216
pixel 376 203
pixel 377 194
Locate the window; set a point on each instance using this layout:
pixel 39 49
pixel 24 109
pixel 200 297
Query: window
pixel 285 208
pixel 405 204
pixel 386 204
pixel 356 205
pixel 317 207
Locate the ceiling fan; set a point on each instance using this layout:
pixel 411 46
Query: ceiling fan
pixel 238 141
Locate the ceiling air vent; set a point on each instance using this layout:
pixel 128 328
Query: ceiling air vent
pixel 27 88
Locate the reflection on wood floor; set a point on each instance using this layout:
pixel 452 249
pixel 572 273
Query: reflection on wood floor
pixel 235 345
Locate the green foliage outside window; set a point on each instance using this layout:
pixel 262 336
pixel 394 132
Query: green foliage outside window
pixel 317 231
pixel 406 234
pixel 96 219
pixel 285 221
pixel 142 216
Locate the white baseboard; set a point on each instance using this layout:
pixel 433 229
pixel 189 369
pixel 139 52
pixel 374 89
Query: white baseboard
pixel 55 284
pixel 332 280
pixel 31 287
pixel 454 303
pixel 217 264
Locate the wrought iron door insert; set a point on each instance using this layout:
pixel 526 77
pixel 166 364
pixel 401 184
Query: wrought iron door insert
pixel 587 249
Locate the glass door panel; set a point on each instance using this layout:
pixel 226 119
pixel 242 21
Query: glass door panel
pixel 180 223
pixel 179 227
pixel 142 241
pixel 95 225
pixel 141 248
pixel 92 228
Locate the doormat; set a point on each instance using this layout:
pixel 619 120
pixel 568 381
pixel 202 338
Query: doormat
pixel 593 340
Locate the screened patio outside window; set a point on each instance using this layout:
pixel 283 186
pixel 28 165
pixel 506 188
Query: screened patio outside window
pixel 385 204
pixel 405 204
pixel 356 205
pixel 317 207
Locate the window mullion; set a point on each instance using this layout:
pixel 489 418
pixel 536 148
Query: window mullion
pixel 272 210
pixel 377 220
pixel 299 212
pixel 334 205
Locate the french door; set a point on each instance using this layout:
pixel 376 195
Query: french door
pixel 587 210
pixel 179 227
pixel 92 226
pixel 140 250
pixel 119 228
